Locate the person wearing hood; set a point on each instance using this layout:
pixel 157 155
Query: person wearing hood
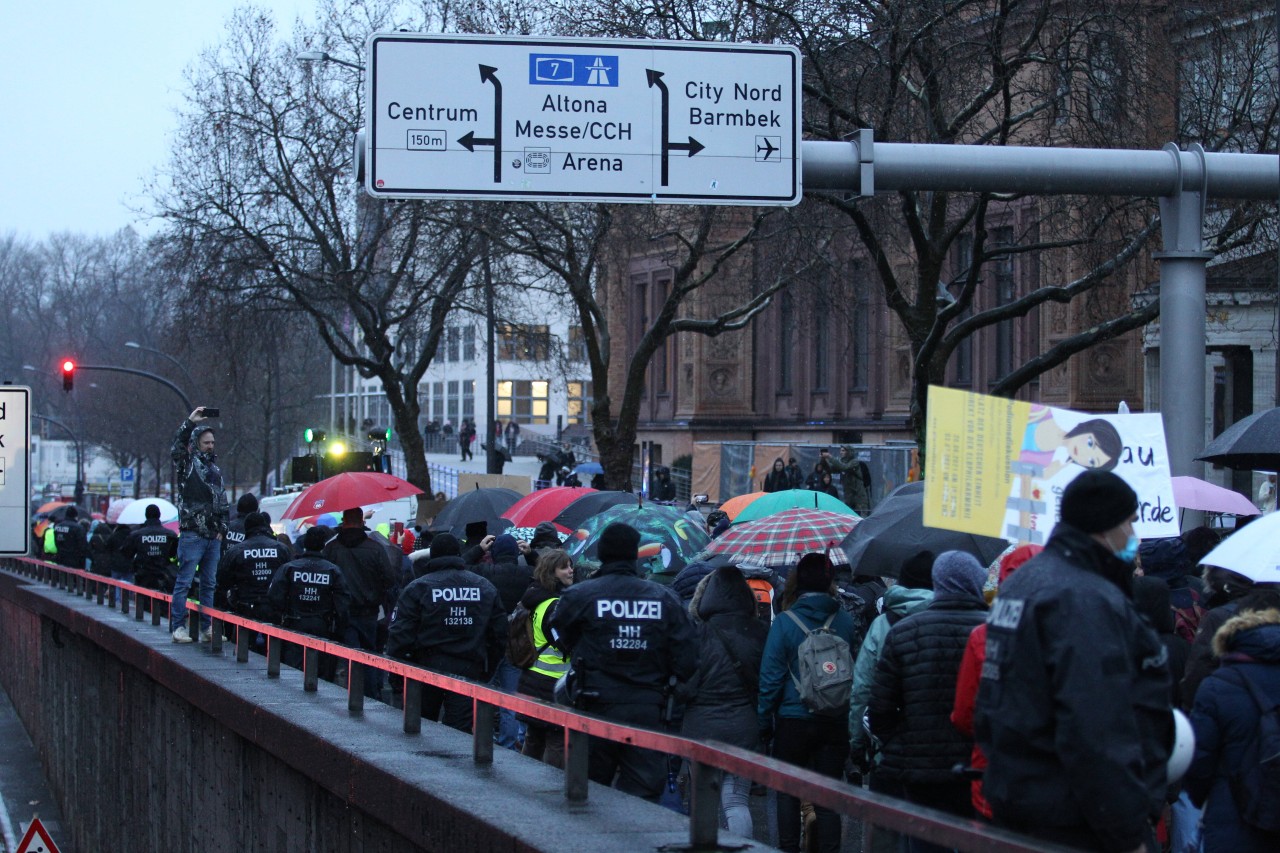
pixel 372 583
pixel 777 480
pixel 247 569
pixel 545 538
pixel 911 594
pixel 450 620
pixel 1225 717
pixel 1225 592
pixel 915 688
pixel 721 697
pixel 1073 704
pixel 202 520
pixel 631 643
pixel 854 479
pixel 799 736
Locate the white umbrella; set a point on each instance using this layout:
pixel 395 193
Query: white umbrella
pixel 1253 551
pixel 135 513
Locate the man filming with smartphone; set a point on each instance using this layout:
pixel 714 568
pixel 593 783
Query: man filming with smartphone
pixel 203 510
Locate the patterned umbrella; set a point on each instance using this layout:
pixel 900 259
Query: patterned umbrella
pixel 543 505
pixel 776 502
pixel 669 539
pixel 780 539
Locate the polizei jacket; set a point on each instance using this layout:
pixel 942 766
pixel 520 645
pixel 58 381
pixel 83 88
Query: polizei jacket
pixel 449 613
pixel 625 636
pixel 1074 704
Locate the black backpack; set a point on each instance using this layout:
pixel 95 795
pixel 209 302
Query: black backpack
pixel 1256 786
pixel 521 650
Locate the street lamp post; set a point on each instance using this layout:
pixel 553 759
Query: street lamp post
pixel 191 383
pixel 79 493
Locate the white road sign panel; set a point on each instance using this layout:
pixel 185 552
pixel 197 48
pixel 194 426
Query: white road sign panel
pixel 487 117
pixel 15 469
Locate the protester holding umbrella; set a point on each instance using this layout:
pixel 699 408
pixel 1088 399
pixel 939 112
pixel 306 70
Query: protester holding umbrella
pixel 372 582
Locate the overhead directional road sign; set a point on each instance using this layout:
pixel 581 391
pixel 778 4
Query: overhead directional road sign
pixel 551 119
pixel 15 469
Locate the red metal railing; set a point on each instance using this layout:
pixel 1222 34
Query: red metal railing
pixel 705 759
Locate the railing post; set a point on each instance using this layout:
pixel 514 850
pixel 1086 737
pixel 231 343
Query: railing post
pixel 155 610
pixel 355 687
pixel 215 644
pixel 138 601
pixel 242 644
pixel 412 706
pixel 102 592
pixel 704 805
pixel 575 765
pixel 310 669
pixel 274 647
pixel 193 624
pixel 124 600
pixel 482 732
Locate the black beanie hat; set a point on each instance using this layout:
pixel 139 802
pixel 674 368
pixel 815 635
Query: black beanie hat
pixel 152 511
pixel 254 520
pixel 1097 501
pixel 445 545
pixel 618 542
pixel 71 512
pixel 248 503
pixel 917 571
pixel 316 538
pixel 814 573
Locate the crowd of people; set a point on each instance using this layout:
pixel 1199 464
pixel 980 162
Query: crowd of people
pixel 1039 697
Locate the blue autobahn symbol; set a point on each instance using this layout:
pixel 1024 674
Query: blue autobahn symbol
pixel 546 69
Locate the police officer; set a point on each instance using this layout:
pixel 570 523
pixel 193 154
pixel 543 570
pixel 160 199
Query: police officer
pixel 449 620
pixel 310 595
pixel 372 581
pixel 69 540
pixel 630 641
pixel 152 546
pixel 244 578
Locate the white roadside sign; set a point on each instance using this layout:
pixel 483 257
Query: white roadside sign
pixel 15 469
pixel 551 119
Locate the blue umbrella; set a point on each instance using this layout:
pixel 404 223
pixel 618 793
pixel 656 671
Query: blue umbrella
pixel 589 468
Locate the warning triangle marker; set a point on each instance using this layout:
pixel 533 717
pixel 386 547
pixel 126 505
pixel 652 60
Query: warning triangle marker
pixel 36 840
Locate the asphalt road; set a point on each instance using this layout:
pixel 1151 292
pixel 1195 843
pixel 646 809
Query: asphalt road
pixel 24 792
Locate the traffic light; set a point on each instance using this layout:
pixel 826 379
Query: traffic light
pixel 313 436
pixel 68 374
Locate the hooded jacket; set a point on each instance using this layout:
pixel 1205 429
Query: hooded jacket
pixel 721 697
pixel 1225 718
pixel 1073 706
pixel 778 693
pixel 626 636
pixel 365 568
pixel 899 601
pixel 508 575
pixel 849 467
pixel 203 507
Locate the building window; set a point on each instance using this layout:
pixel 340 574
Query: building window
pixel 468 343
pixel 1002 268
pixel 452 337
pixel 453 400
pixel 525 401
pixel 1106 80
pixel 662 358
pixel 821 346
pixel 469 398
pixel 518 342
pixel 786 332
pixel 860 331
pixel 577 352
pixel 437 401
pixel 964 349
pixel 580 402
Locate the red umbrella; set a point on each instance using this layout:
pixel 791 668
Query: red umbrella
pixel 780 539
pixel 543 505
pixel 348 491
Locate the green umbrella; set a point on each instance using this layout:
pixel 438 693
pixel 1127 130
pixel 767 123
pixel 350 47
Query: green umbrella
pixel 669 538
pixel 776 502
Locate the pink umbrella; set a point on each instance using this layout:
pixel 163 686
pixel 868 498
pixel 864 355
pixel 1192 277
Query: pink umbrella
pixel 1194 493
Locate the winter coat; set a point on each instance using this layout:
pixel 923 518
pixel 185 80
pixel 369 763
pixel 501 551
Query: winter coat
pixel 1073 707
pixel 915 688
pixel 366 569
pixel 899 601
pixel 151 548
pixel 1201 661
pixel 203 507
pixel 106 544
pixel 509 575
pixel 975 652
pixel 778 693
pixel 721 703
pixel 626 636
pixel 1225 718
pixel 777 480
pixel 850 468
pixel 244 576
pixel 533 683
pixel 71 543
pixel 449 619
pixel 309 595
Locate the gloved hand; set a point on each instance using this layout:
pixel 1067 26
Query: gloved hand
pixel 766 734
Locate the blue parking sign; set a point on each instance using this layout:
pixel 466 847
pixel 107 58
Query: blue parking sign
pixel 126 475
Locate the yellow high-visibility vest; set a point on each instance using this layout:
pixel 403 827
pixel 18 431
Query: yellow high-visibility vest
pixel 551 662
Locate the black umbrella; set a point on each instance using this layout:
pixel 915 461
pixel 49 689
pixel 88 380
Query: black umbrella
pixel 895 530
pixel 486 505
pixel 1250 444
pixel 575 514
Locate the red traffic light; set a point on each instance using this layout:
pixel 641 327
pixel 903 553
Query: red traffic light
pixel 68 374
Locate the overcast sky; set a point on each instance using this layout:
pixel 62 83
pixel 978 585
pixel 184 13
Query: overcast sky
pixel 88 91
